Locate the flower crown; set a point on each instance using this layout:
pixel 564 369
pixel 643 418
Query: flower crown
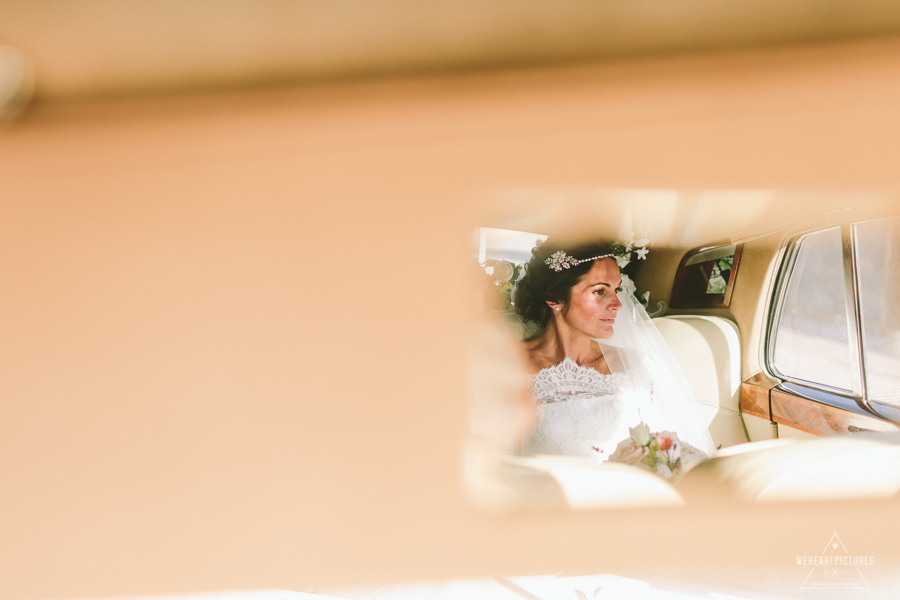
pixel 559 260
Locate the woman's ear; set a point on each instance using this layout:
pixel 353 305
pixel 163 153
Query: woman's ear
pixel 554 306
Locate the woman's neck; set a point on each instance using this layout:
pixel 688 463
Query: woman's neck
pixel 559 342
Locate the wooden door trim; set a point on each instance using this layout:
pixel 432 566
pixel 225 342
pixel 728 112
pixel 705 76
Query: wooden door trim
pixel 755 396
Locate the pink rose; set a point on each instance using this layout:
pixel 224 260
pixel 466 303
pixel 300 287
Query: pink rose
pixel 664 441
pixel 674 453
pixel 629 453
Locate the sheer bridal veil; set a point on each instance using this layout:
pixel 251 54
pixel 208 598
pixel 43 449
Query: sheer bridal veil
pixel 663 399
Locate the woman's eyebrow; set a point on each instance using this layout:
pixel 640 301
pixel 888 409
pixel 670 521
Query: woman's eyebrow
pixel 601 283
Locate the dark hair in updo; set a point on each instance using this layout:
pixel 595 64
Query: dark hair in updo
pixel 541 284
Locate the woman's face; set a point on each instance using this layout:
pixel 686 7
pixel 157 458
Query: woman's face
pixel 593 305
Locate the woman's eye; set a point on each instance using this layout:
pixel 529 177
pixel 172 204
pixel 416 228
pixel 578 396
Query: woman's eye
pixel 618 290
pixel 600 292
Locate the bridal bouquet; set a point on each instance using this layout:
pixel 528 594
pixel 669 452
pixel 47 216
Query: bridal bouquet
pixel 662 452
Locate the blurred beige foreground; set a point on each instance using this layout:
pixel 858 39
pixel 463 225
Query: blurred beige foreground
pixel 234 324
pixel 86 48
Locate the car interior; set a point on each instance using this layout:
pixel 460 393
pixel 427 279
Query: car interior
pixel 753 379
pixel 248 345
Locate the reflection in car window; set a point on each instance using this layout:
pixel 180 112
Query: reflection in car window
pixel 718 278
pixel 705 277
pixel 877 259
pixel 812 339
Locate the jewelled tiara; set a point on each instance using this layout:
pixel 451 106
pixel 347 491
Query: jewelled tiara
pixel 560 260
pixel 621 252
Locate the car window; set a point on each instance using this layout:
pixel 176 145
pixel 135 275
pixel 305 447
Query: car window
pixel 502 254
pixel 812 341
pixel 505 244
pixel 877 259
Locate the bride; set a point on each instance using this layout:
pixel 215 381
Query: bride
pixel 599 365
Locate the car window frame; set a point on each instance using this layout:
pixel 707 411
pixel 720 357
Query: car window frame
pixel 856 400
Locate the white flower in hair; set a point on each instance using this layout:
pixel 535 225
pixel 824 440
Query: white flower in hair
pixel 642 253
pixel 503 271
pixel 622 261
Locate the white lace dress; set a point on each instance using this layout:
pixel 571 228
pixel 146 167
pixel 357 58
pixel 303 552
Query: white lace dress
pixel 579 409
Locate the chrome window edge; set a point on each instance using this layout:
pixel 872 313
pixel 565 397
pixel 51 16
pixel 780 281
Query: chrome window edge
pixel 823 396
pixel 866 401
pixel 819 388
pixel 886 411
pixel 882 409
pixel 851 304
pixel 835 399
pixel 776 300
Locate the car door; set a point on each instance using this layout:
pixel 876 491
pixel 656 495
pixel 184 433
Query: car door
pixel 831 360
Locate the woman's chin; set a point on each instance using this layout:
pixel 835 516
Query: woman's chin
pixel 604 334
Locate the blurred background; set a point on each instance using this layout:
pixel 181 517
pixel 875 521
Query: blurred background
pixel 233 270
pixel 90 48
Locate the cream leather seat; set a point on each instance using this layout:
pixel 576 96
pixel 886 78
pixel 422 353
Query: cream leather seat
pixel 835 467
pixel 708 349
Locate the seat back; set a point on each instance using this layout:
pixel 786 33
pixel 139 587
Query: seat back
pixel 708 349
